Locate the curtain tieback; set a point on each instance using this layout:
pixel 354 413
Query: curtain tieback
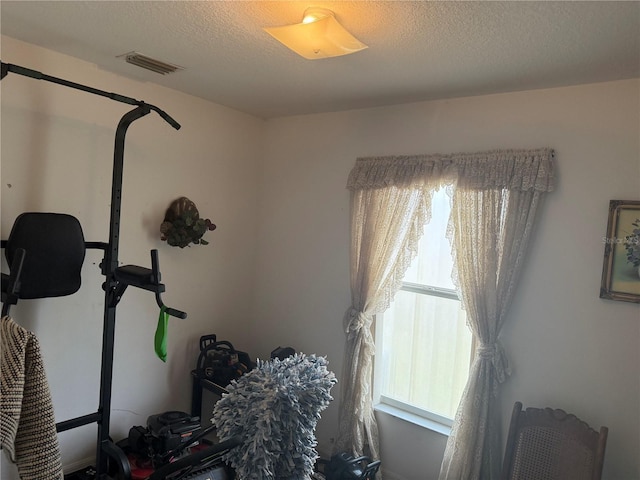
pixel 496 355
pixel 355 320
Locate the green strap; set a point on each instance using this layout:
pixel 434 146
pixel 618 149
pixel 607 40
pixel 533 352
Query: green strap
pixel 161 335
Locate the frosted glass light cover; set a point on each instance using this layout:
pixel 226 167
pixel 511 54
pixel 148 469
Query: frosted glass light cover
pixel 320 38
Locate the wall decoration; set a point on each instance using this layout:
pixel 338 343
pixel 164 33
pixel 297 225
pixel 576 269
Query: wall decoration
pixel 182 224
pixel 621 268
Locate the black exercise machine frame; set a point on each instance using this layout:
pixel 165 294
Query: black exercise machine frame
pixel 117 279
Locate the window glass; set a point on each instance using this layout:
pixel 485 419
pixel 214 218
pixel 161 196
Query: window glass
pixel 435 263
pixel 423 343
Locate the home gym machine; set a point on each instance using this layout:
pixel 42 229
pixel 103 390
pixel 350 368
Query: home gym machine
pixel 38 241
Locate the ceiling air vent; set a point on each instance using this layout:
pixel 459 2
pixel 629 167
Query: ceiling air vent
pixel 149 63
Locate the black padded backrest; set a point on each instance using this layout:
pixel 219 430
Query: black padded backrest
pixel 55 249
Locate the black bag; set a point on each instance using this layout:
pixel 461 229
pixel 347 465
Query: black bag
pixel 220 362
pixel 343 466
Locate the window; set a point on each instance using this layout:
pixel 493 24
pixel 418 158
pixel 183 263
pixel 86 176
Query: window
pixel 423 343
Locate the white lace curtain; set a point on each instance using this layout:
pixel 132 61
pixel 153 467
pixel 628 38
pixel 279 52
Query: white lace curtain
pixel 496 195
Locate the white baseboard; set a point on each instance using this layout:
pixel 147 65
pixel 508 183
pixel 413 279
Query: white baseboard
pixel 78 465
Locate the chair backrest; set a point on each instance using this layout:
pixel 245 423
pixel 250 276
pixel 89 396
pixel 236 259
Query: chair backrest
pixel 54 252
pixel 548 444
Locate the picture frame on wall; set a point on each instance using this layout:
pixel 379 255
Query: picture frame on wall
pixel 621 266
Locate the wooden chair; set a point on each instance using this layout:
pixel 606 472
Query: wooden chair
pixel 547 444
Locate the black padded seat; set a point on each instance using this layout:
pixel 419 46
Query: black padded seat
pixel 54 253
pixel 136 276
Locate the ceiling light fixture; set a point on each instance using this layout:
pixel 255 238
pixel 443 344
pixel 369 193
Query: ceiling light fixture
pixel 318 36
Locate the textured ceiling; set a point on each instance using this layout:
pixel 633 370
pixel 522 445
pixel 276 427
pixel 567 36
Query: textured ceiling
pixel 418 50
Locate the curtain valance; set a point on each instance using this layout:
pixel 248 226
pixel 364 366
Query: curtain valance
pixel 523 170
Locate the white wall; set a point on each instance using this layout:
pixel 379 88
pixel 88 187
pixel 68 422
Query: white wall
pixel 567 347
pixel 57 154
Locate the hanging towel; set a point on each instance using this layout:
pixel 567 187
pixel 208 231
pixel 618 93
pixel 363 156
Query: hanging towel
pixel 27 422
pixel 160 339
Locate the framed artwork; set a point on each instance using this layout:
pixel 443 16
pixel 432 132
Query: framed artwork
pixel 621 267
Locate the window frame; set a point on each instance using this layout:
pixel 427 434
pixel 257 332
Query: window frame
pixel 398 408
